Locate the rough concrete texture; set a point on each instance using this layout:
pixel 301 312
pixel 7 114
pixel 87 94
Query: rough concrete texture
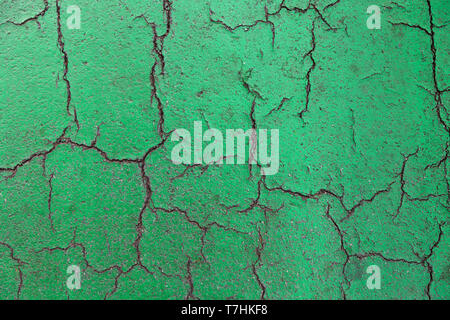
pixel 87 179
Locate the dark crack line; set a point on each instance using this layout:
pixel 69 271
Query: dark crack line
pixel 140 162
pixel 443 162
pixel 415 26
pixel 190 167
pixel 63 140
pixel 342 247
pixel 276 109
pixel 311 6
pixel 325 192
pixel 20 263
pixel 119 269
pixel 310 70
pixel 190 295
pixel 351 211
pixel 423 261
pixel 257 263
pixel 246 85
pixel 42 153
pixel 139 224
pixel 61 46
pixel 158 40
pixel 403 182
pixel 247 26
pixel 204 229
pixel 267 15
pixel 353 128
pixel 158 49
pixel 394 3
pixel 49 202
pixel 34 18
pixel 328 6
pixel 437 92
pixel 255 201
pixel 154 95
pixel 254 139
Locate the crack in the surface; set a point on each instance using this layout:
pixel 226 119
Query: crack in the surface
pixel 154 95
pixel 394 3
pixel 190 167
pixel 246 26
pixel 33 18
pixel 42 153
pixel 253 138
pixel 325 192
pixel 353 128
pixel 190 295
pixel 119 269
pixel 61 46
pixel 403 182
pixel 342 248
pixel 244 80
pixel 414 26
pixel 158 49
pixel 158 40
pixel 139 224
pixel 311 6
pixel 62 140
pixel 443 162
pixel 423 261
pixel 331 5
pixel 140 162
pixel 204 229
pixel 261 242
pixel 437 92
pixel 255 201
pixel 267 15
pixel 20 263
pixel 350 211
pixel 49 202
pixel 310 70
pixel 278 108
pixel 258 250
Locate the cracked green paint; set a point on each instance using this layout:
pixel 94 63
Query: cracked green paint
pixel 86 176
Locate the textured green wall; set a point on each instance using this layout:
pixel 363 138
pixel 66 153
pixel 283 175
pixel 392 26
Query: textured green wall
pixel 86 177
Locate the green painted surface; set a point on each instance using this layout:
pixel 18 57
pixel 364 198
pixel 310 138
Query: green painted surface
pixel 87 178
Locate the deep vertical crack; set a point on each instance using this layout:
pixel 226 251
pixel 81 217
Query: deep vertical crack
pixel 437 93
pixel 310 70
pixel 20 263
pixel 190 295
pixel 258 250
pixel 49 202
pixel 61 46
pixel 425 260
pixel 342 246
pixel 403 182
pixel 158 49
